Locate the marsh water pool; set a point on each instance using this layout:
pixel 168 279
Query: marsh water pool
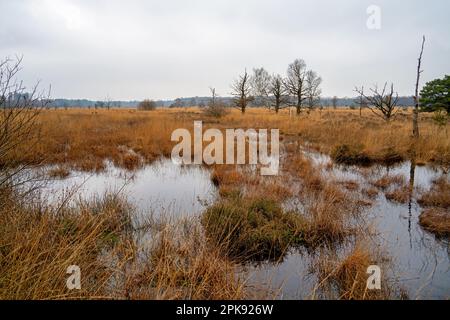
pixel 421 262
pixel 160 188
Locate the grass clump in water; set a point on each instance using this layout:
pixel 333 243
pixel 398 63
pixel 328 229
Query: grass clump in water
pixel 253 229
pixel 357 155
pixel 436 218
pixel 345 277
pixel 438 195
pixel 350 155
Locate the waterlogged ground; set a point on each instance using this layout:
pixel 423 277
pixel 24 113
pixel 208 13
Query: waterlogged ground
pixel 421 263
pixel 160 188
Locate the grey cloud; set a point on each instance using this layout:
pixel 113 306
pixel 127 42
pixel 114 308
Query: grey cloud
pixel 165 49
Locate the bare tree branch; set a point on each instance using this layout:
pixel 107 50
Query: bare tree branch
pixel 313 90
pixel 382 104
pixel 277 89
pixel 242 92
pixel 260 83
pixel 295 83
pixel 19 110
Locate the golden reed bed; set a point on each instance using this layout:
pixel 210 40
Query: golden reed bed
pixel 83 138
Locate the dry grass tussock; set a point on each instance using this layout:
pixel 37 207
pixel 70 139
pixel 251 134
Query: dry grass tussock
pixel 394 187
pixel 328 214
pixel 436 216
pixel 386 181
pixel 182 265
pixel 346 277
pixel 38 243
pixel 401 194
pixel 232 181
pixel 252 229
pixel 438 195
pixel 328 208
pixel 436 220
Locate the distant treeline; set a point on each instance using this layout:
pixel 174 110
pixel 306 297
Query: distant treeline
pixel 84 103
pixel 192 101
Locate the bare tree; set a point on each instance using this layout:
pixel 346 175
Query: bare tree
pixel 19 110
pixel 260 82
pixel 313 90
pixel 383 104
pixel 416 96
pixel 334 102
pixel 295 82
pixel 277 89
pixel 242 92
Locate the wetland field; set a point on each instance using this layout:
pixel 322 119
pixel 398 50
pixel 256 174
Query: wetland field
pixel 97 188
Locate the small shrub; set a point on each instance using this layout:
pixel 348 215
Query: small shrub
pixel 440 118
pixel 147 105
pixel 216 110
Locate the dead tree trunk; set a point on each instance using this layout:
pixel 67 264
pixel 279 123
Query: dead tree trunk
pixel 361 102
pixel 416 96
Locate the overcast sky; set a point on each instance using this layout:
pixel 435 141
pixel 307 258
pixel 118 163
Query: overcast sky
pixel 167 49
